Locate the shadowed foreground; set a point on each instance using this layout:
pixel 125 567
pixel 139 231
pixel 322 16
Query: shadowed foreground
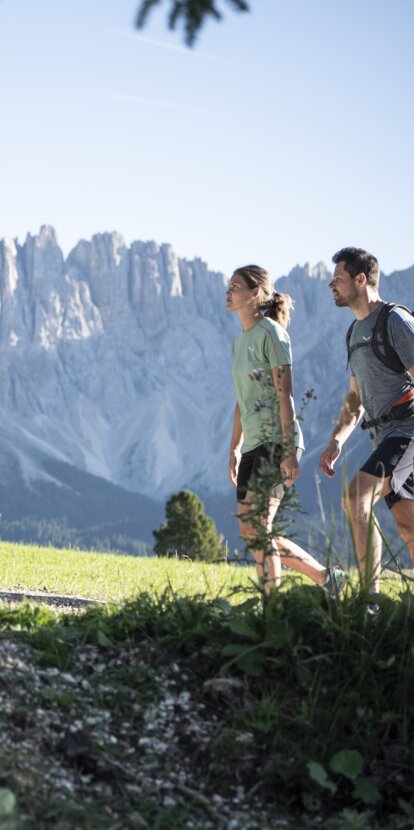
pixel 173 710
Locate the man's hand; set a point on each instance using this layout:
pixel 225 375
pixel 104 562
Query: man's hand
pixel 234 462
pixel 289 469
pixel 329 456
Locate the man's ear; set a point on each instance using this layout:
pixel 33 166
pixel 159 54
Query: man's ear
pixel 361 278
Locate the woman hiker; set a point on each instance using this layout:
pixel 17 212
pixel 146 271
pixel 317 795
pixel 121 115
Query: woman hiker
pixel 266 433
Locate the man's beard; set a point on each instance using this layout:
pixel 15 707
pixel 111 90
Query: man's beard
pixel 341 302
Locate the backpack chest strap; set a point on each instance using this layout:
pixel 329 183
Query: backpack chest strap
pixel 355 346
pixel 359 345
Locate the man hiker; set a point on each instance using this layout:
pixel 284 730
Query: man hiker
pixel 380 346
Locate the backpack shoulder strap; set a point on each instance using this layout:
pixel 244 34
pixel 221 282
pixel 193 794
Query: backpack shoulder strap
pixel 381 345
pixel 348 340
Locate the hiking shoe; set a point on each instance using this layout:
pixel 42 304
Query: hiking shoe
pixel 336 582
pixel 373 608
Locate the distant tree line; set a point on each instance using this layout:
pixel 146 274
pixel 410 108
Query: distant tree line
pixel 187 532
pixel 58 534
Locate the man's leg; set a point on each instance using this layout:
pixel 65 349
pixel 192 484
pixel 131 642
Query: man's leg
pixel 403 512
pixel 360 497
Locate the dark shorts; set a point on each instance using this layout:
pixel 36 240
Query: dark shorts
pixel 394 457
pixel 249 469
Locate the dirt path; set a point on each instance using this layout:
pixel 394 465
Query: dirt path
pixel 61 602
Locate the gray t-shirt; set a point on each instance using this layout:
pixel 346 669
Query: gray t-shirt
pixel 380 387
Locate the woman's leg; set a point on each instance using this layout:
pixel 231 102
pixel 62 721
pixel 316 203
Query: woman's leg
pixel 267 561
pixel 257 522
pixel 284 551
pixel 293 556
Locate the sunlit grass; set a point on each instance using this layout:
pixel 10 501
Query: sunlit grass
pixel 115 577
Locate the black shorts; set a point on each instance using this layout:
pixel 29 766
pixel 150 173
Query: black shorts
pixel 394 457
pixel 249 469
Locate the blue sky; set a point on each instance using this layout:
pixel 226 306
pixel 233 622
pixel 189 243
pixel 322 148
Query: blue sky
pixel 283 135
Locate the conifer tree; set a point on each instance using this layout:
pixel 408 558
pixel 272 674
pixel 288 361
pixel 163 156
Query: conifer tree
pixel 187 530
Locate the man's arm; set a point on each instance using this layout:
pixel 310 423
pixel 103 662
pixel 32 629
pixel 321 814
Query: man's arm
pixel 350 414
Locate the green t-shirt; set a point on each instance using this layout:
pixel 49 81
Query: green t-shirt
pixel 255 353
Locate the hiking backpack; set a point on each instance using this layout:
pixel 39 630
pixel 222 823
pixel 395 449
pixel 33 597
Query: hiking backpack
pixel 379 341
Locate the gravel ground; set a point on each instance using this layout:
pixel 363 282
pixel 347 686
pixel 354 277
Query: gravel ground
pixel 77 737
pixel 121 740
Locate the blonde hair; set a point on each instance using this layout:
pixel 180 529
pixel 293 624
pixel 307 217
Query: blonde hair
pixel 276 306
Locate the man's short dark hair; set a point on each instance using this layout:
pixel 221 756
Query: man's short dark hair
pixel 357 261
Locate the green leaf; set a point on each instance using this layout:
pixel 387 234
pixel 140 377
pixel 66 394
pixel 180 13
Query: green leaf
pixel 224 605
pixel 64 700
pixel 186 611
pixel 102 639
pixel 318 773
pixel 386 664
pixel 347 762
pixel 241 627
pixel 406 807
pixel 247 605
pixel 367 791
pixel 251 663
pixel 233 649
pixel 276 640
pixel 7 802
pixel 48 694
pixel 311 802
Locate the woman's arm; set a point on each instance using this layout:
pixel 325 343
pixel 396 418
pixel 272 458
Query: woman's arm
pixel 235 444
pixel 282 379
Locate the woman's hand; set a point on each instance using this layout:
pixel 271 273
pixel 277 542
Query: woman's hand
pixel 234 462
pixel 289 469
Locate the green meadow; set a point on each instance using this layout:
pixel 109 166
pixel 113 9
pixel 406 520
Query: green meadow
pixel 115 577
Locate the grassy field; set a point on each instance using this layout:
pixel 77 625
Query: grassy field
pixel 113 577
pixel 184 704
pixel 116 578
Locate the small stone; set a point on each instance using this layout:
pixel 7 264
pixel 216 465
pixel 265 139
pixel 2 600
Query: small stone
pixel 216 799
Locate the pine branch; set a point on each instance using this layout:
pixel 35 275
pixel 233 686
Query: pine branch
pixel 191 13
